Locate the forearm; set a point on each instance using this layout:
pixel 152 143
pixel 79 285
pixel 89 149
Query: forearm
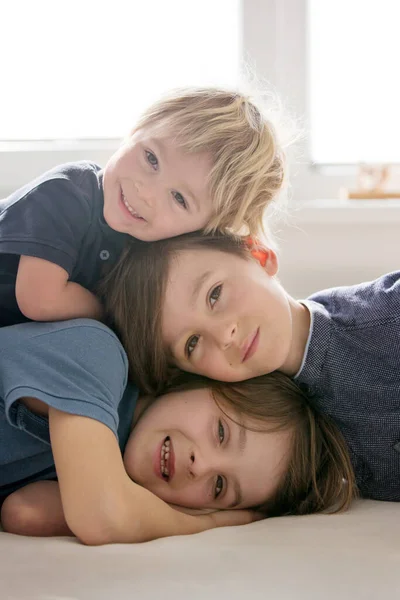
pixel 70 302
pixel 44 293
pixel 125 512
pixel 141 516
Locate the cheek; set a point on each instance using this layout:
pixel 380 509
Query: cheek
pixel 192 496
pixel 128 160
pixel 216 366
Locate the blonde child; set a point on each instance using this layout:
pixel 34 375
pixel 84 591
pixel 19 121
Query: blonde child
pixel 198 159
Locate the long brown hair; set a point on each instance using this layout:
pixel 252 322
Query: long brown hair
pixel 134 294
pixel 319 476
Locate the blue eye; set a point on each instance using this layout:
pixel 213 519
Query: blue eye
pixel 191 344
pixel 219 486
pixel 221 432
pixel 215 294
pixel 180 199
pixel 152 159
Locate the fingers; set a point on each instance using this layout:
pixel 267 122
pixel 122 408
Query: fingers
pixel 230 518
pixel 193 511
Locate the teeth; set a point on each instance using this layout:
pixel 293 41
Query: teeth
pixel 164 458
pixel 129 207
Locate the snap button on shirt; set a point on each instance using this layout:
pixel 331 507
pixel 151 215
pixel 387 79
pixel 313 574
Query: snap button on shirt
pixel 104 255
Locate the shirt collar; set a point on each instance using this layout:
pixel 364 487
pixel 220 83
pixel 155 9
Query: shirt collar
pixel 317 344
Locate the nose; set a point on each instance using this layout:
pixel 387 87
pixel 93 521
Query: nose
pixel 205 464
pixel 198 466
pixel 225 333
pixel 145 193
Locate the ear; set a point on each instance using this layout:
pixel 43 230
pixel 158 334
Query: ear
pixel 265 256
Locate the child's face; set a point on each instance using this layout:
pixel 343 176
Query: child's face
pixel 213 462
pixel 154 190
pixel 226 317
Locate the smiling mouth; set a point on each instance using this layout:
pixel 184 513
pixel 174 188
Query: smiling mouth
pixel 130 209
pixel 166 459
pixel 251 345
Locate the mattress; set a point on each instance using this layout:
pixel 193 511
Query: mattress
pixel 354 555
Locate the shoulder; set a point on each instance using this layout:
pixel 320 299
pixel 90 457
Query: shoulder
pixel 79 178
pixel 75 329
pixel 371 302
pixel 84 174
pixel 74 172
pixel 81 352
pixel 77 337
pixel 76 366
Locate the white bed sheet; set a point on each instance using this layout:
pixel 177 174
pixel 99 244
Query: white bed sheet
pixel 354 556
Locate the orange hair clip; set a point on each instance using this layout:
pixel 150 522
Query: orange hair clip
pixel 257 250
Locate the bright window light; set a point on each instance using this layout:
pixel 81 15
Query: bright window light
pixel 354 49
pixel 85 69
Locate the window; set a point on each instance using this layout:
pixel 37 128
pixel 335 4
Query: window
pixel 354 94
pixel 82 70
pixel 284 42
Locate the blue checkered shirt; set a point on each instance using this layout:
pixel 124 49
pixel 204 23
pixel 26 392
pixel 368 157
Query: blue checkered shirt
pixel 351 369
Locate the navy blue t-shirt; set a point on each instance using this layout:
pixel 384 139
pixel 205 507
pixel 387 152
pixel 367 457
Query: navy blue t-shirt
pixel 351 368
pixel 57 217
pixel 76 366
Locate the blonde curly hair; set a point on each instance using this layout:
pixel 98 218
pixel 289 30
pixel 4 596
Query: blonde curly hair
pixel 249 164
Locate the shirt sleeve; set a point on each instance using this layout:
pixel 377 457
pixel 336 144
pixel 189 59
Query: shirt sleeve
pixel 48 220
pixel 78 367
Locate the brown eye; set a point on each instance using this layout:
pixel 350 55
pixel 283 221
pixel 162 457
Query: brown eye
pixel 215 294
pixel 191 344
pixel 221 432
pixel 219 486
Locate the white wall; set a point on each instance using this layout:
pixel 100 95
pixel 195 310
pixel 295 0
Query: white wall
pixel 329 244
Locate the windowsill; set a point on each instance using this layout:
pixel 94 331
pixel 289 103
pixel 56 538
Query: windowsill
pixel 347 211
pixel 57 146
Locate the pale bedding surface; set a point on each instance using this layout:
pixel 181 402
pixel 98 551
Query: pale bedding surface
pixel 352 556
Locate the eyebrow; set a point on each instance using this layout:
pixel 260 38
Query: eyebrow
pixel 242 439
pixel 198 283
pixel 159 146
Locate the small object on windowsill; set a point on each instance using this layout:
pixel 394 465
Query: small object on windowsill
pixel 371 183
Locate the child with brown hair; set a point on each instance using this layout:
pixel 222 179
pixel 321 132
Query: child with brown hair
pixel 199 159
pixel 214 306
pixel 127 465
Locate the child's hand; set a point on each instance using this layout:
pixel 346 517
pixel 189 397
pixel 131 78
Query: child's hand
pixel 222 518
pixel 192 511
pixel 231 518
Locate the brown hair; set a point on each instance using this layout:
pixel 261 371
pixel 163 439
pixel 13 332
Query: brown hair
pixel 134 293
pixel 239 135
pixel 319 476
